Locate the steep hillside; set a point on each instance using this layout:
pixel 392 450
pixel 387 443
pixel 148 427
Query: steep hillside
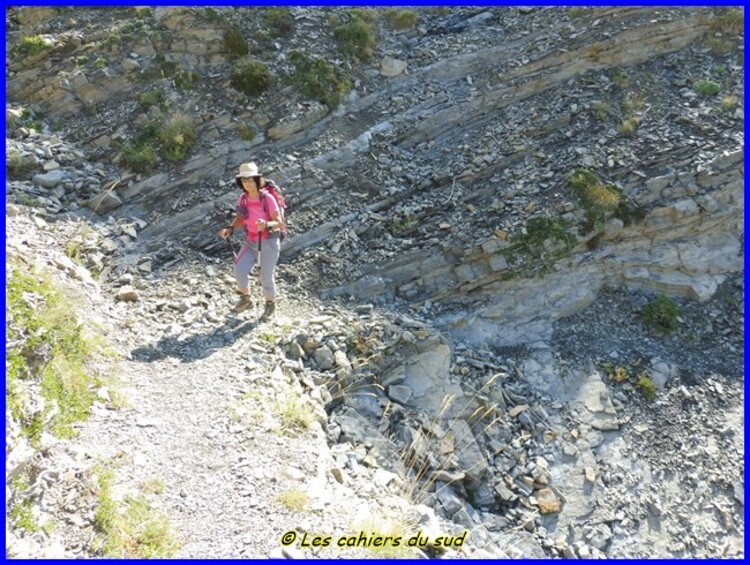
pixel 511 296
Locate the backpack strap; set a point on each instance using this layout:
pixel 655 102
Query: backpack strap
pixel 282 226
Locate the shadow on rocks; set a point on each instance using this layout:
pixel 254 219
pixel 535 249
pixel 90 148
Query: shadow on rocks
pixel 196 346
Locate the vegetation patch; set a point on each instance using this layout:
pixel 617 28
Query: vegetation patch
pixel 631 374
pixel 234 42
pixel 245 131
pixel 646 387
pixel 294 413
pixel 728 104
pixel 30 45
pixel 385 527
pixel 131 529
pixel 280 20
pixel 151 98
pixel 401 19
pixel 356 37
pixel 250 77
pixel 294 500
pixel 140 157
pixel 177 137
pixel 21 515
pixel 186 79
pixel 729 21
pixel 319 79
pixel 47 350
pixel 707 88
pixel 14 163
pixel 534 253
pixel 598 200
pixel 620 78
pixel 661 314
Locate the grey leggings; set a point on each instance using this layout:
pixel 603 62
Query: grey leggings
pixel 269 255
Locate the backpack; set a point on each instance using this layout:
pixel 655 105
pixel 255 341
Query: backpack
pixel 272 190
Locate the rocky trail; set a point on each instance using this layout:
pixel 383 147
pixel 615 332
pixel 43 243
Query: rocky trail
pixel 466 339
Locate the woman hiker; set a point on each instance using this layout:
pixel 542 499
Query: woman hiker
pixel 258 212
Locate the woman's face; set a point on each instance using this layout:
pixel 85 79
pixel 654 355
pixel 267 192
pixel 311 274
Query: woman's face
pixel 248 183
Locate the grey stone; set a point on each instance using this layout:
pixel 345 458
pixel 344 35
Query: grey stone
pixel 104 202
pixel 50 179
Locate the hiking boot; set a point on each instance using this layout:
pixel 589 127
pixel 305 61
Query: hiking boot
pixel 244 303
pixel 268 311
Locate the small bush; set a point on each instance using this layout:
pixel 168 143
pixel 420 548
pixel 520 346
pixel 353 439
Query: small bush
pixel 319 79
pixel 629 126
pixel 601 110
pixel 246 132
pixel 646 387
pixel 177 137
pixel 294 413
pixel 139 157
pixel 234 42
pixel 251 77
pixel 14 163
pixel 402 19
pixel 280 20
pixel 730 21
pixel 707 88
pixel 574 13
pixel 620 78
pixel 728 104
pixel 661 314
pixel 136 531
pixel 151 98
pixel 30 45
pixel 356 38
pixel 592 194
pixel 294 500
pixel 186 79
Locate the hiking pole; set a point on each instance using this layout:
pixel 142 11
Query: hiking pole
pixel 231 246
pixel 260 243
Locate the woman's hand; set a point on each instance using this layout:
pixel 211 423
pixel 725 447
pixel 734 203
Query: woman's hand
pixel 226 232
pixel 261 225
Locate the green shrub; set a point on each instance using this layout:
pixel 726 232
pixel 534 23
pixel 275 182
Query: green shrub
pixel 730 21
pixel 574 13
pixel 151 98
pixel 707 88
pixel 234 42
pixel 595 198
pixel 630 125
pixel 246 132
pixel 402 19
pixel 280 20
pixel 49 349
pixel 367 15
pixel 319 79
pixel 133 530
pixel 620 78
pixel 646 387
pixel 534 253
pixel 140 157
pixel 295 414
pixel 356 38
pixel 14 163
pixel 177 137
pixel 186 79
pixel 251 77
pixel 661 314
pixel 30 45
